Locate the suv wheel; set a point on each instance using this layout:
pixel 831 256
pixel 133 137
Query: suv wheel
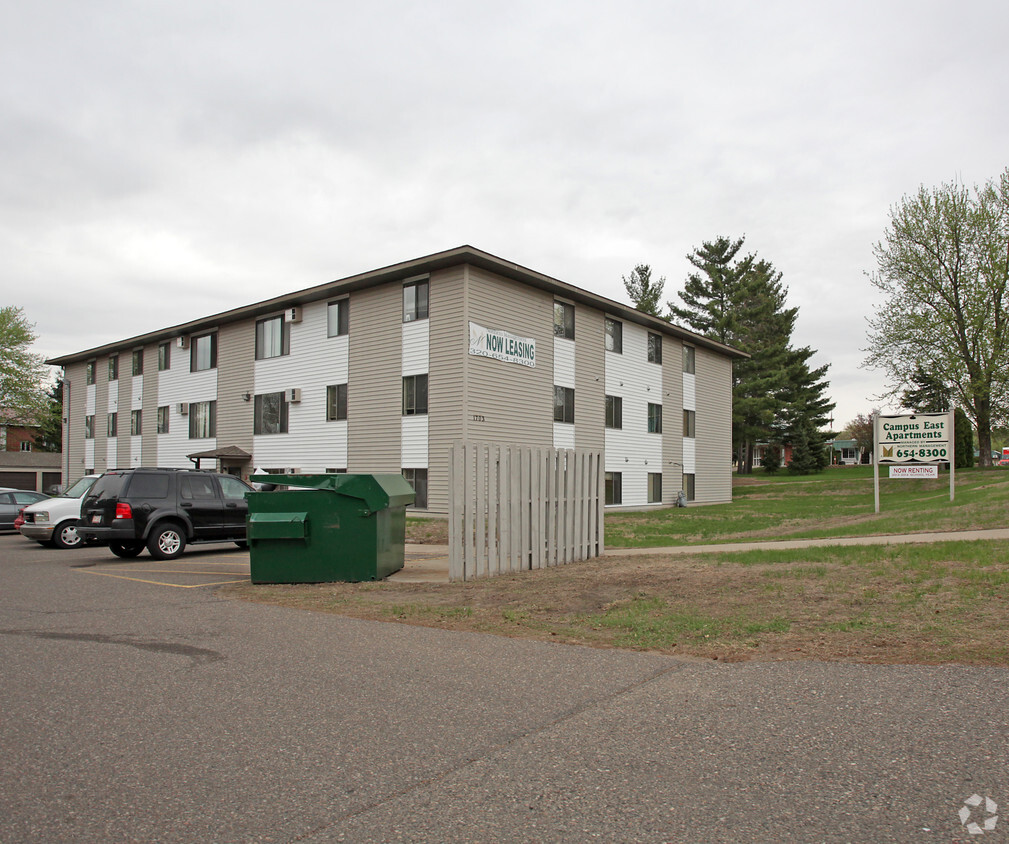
pixel 65 534
pixel 167 542
pixel 126 550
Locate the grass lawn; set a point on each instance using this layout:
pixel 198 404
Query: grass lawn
pixel 934 603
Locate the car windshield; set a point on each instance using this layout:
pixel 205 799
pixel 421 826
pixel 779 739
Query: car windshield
pixel 79 488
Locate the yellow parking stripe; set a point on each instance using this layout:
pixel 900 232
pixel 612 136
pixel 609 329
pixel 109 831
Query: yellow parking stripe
pixel 161 582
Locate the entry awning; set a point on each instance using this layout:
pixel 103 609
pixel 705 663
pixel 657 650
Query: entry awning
pixel 228 452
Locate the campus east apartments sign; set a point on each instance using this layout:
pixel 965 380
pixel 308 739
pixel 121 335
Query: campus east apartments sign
pixel 920 437
pixel 500 345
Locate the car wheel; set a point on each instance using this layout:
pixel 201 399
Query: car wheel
pixel 126 550
pixel 167 542
pixel 65 535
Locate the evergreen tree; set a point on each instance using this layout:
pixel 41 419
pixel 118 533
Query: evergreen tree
pixel 740 301
pixel 963 440
pixel 643 292
pixel 809 453
pixel 709 295
pixel 50 437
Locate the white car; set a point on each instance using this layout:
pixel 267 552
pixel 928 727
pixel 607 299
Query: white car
pixel 54 521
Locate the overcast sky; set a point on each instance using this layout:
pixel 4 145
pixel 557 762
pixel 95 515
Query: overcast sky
pixel 168 159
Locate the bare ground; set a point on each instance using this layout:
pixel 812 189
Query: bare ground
pixel 877 604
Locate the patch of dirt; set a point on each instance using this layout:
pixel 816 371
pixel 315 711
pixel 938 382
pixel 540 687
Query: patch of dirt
pixel 868 609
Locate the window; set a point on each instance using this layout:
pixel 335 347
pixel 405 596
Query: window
pixel 203 353
pixel 114 367
pixel 136 423
pixel 688 359
pixel 564 404
pixel 689 423
pixel 414 394
pixel 337 317
pixel 163 419
pixel 654 348
pixel 26 445
pixel 336 402
pixel 564 320
pixel 614 412
pixel 164 356
pixel 138 361
pixel 688 486
pixel 614 336
pixel 417 478
pixel 89 372
pixel 654 418
pixel 272 338
pixel 196 486
pixel 270 414
pixel 202 419
pixel 113 425
pixel 89 427
pixel 614 488
pixel 232 488
pixel 415 297
pixel 654 487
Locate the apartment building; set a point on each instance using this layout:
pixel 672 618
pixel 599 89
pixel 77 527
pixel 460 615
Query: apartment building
pixel 382 371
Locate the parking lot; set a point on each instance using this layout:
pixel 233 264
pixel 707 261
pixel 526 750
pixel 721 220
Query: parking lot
pixel 200 567
pixel 139 705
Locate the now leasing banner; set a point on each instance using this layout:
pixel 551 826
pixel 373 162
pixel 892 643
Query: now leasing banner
pixel 500 345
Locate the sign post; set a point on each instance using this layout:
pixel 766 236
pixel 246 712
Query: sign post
pixel 913 439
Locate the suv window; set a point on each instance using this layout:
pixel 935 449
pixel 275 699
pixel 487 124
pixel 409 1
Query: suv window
pixel 232 487
pixel 196 486
pixel 149 485
pixel 108 486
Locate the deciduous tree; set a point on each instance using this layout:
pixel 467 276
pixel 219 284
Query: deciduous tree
pixel 943 269
pixel 23 374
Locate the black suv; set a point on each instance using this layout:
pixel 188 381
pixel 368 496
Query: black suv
pixel 163 509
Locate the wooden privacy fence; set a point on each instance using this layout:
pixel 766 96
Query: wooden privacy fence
pixel 513 508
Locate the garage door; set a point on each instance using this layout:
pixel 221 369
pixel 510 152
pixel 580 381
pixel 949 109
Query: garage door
pixel 18 480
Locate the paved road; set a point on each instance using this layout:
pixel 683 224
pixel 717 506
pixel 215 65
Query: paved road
pixel 138 711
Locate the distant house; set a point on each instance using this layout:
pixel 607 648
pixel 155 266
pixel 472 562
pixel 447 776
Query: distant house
pixel 22 466
pixel 847 452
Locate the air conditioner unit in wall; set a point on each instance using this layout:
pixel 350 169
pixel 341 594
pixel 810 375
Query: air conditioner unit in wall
pixel 294 394
pixel 183 408
pixel 294 314
pixel 182 342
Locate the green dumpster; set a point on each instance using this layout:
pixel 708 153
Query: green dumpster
pixel 333 527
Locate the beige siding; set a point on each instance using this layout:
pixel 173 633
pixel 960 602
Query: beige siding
pixel 149 408
pixel 375 381
pixel 672 419
pixel 236 353
pixel 75 392
pixel 507 402
pixel 447 405
pixel 714 427
pixel 590 379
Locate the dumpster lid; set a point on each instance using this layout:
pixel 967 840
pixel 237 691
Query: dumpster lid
pixel 376 491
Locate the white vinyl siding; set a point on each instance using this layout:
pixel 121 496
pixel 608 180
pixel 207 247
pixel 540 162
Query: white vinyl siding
pixel 415 359
pixel 630 450
pixel 314 362
pixel 178 385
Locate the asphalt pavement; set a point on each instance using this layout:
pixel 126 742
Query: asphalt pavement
pixel 140 706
